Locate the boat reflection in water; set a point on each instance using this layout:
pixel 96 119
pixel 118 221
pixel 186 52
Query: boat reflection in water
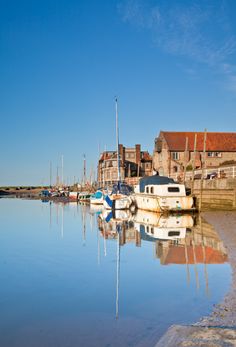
pixel 177 239
pixel 154 226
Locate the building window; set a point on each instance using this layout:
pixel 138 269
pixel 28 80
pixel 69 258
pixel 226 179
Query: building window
pixel 210 154
pixel 147 190
pixel 175 156
pixel 151 190
pixel 218 154
pixel 214 154
pixel 175 169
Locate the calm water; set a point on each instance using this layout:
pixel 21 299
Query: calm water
pixel 72 277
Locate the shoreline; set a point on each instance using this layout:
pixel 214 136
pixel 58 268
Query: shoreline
pixel 219 328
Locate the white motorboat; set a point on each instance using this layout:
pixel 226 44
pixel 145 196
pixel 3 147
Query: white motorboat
pixel 160 194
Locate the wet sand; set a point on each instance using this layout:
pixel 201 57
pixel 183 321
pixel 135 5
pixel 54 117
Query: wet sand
pixel 219 328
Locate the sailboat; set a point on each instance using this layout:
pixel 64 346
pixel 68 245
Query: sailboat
pixel 121 195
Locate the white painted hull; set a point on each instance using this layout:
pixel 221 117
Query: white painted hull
pixel 119 202
pixel 94 201
pixel 156 203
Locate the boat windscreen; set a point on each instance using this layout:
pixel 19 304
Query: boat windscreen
pixel 154 180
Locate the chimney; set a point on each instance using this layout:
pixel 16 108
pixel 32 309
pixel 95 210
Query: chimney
pixel 122 154
pixel 138 153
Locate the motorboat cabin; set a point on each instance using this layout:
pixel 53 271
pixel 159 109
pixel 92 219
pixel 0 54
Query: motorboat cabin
pixel 159 193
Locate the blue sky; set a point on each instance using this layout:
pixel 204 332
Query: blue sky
pixel 172 65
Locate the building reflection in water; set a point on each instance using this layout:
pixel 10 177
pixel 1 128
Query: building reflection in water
pixel 181 239
pixel 178 239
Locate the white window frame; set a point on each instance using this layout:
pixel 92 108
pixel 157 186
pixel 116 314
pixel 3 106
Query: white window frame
pixel 175 155
pixel 218 154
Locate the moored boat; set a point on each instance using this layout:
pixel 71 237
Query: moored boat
pixel 159 194
pixel 120 197
pixel 84 196
pixel 97 198
pixel 73 196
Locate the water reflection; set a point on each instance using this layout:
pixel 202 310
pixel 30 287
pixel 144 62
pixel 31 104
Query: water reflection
pixel 67 267
pixel 181 239
pixel 178 239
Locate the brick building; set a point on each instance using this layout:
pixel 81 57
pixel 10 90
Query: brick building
pixel 134 163
pixel 175 150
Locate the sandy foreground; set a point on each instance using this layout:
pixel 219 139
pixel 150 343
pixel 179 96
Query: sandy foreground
pixel 218 329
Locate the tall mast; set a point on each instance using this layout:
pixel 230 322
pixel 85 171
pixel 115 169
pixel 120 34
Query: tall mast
pixel 117 143
pixel 84 170
pixel 62 170
pixel 57 184
pixel 50 174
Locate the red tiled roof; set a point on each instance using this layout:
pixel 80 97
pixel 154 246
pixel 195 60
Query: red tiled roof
pixel 218 142
pixel 107 155
pixel 146 156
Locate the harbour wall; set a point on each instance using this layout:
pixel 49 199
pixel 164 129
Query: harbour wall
pixel 214 194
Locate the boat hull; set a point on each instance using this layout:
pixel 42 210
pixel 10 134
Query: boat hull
pixel 156 203
pixel 73 196
pixel 94 201
pixel 84 197
pixel 117 202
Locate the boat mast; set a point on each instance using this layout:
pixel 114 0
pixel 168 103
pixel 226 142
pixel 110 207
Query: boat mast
pixel 84 178
pixel 50 174
pixel 62 170
pixel 117 143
